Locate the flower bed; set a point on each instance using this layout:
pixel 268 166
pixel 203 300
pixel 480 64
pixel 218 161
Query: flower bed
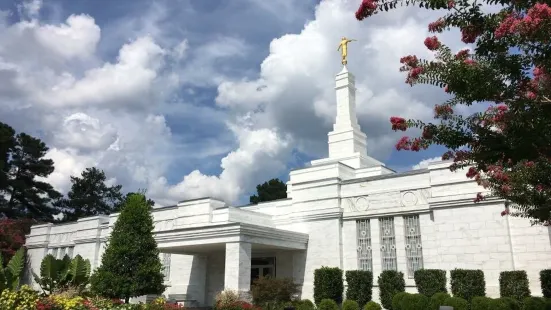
pixel 28 299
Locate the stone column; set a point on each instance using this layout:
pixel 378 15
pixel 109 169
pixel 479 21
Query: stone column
pixel 237 274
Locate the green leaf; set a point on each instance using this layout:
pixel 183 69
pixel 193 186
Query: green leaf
pixel 15 267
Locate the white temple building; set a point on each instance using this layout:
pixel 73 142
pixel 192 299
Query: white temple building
pixel 348 210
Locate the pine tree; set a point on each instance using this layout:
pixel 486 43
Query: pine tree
pixel 131 265
pixel 89 195
pixel 22 161
pixel 7 144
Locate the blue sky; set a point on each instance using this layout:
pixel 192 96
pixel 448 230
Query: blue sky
pixel 203 98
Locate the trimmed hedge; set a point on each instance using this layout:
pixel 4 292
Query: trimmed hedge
pixel 350 305
pixel 359 286
pixel 457 303
pixel 514 284
pixel 467 283
pixel 390 283
pixel 304 304
pixel 507 303
pixel 328 284
pixel 430 281
pixel 545 280
pixel 481 303
pixel 415 302
pixel 438 300
pixel 397 300
pixel 533 303
pixel 327 304
pixel 372 306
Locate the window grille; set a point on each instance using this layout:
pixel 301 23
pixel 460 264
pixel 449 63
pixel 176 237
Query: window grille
pixel 70 251
pixel 363 237
pixel 388 243
pixel 54 252
pixel 414 248
pixel 62 252
pixel 166 266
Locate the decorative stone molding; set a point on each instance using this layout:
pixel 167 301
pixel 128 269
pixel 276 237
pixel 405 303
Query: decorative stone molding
pixel 164 225
pixel 392 199
pixel 62 237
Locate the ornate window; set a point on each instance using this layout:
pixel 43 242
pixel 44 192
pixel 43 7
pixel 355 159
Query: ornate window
pixel 414 249
pixel 388 243
pixel 363 237
pixel 166 266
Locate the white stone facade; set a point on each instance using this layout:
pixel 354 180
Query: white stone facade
pixel 346 211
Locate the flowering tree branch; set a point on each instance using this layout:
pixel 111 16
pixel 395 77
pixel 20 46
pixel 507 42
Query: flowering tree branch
pixel 507 148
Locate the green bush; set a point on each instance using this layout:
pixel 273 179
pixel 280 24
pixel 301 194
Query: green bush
pixel 328 304
pixel 350 305
pixel 514 284
pixel 467 283
pixel 481 303
pixel 397 300
pixel 390 283
pixel 359 286
pixel 372 306
pixel 430 281
pixel 506 303
pixel 438 300
pixel 545 280
pixel 328 284
pixel 304 304
pixel 548 304
pixel 457 303
pixel 276 290
pixel 415 302
pixel 533 303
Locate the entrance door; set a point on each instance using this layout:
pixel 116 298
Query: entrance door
pixel 262 267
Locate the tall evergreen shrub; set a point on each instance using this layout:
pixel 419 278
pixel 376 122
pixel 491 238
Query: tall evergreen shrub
pixel 359 286
pixel 514 284
pixel 328 284
pixel 467 283
pixel 390 283
pixel 430 281
pixel 130 266
pixel 545 280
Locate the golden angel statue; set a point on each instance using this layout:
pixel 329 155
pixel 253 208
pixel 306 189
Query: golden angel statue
pixel 343 47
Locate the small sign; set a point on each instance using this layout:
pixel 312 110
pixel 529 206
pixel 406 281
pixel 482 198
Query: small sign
pixel 446 308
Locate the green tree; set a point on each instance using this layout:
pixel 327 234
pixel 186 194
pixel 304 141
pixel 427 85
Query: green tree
pixel 21 163
pixel 7 144
pixel 131 265
pixel 89 195
pixel 272 190
pixel 118 208
pixel 507 148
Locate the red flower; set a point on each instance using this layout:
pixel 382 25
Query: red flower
pixel 462 54
pixel 432 43
pixel 427 133
pixel 437 26
pixel 366 9
pixel 398 123
pixel 472 172
pixel 469 34
pixel 410 60
pixel 403 144
pixel 442 111
pixel 504 212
